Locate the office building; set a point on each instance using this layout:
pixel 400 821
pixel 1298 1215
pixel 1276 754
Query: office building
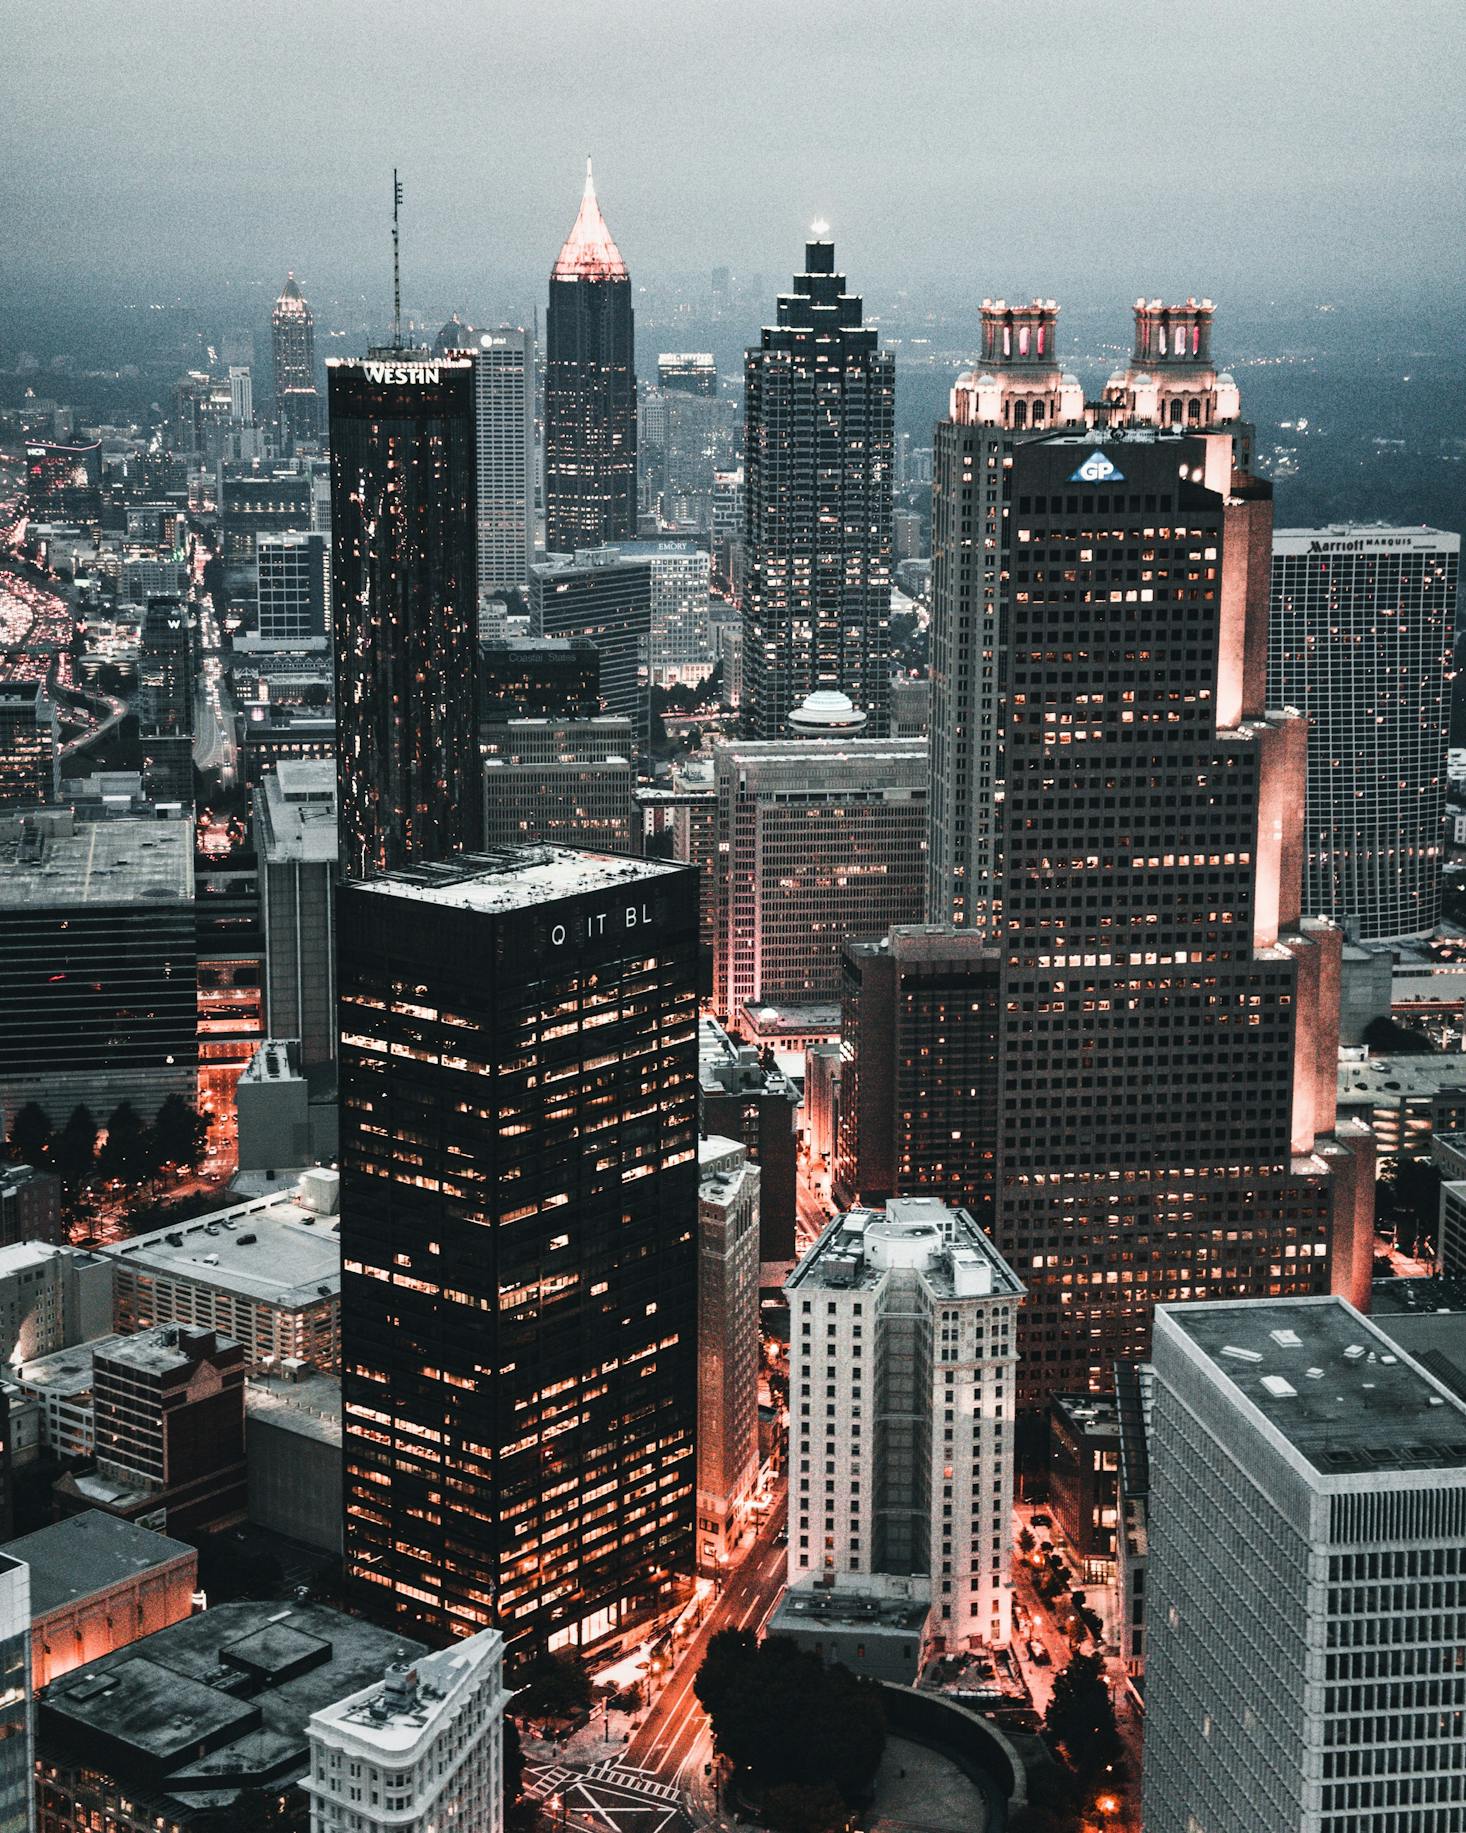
pixel 17 1742
pixel 902 1355
pixel 27 745
pixel 190 1723
pixel 680 641
pixel 297 848
pixel 98 993
pixel 166 665
pixel 293 590
pixel 286 1115
pixel 241 396
pixel 743 1097
pixel 30 1205
pixel 292 1442
pixel 50 1298
pixel 418 1751
pixel 1359 639
pixel 266 1273
pixel 685 435
pixel 918 1069
pixel 818 404
pixel 601 596
pixel 571 782
pixel 822 1079
pixel 97 1584
pixel 1135 1399
pixel 271 733
pixel 1084 1478
pixel 504 409
pixel 404 603
pixel 539 678
pixel 1307 1538
pixel 256 501
pixel 519 1202
pixel 167 1430
pixel 727 1347
pixel 64 483
pixel 293 343
pixel 1403 1100
pixel 817 840
pixel 1117 812
pixel 590 389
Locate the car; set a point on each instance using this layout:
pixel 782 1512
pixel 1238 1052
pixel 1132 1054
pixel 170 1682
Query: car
pixel 781 1539
pixel 1037 1653
pixel 1041 1521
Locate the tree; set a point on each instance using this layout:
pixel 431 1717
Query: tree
pixel 799 1807
pixel 554 1686
pixel 1025 1540
pixel 1386 1036
pixel 1080 1717
pixel 30 1135
pixel 124 1155
pixel 519 1814
pixel 76 1148
pixel 180 1132
pixel 1409 1201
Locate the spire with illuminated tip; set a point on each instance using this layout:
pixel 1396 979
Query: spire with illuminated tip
pixel 589 252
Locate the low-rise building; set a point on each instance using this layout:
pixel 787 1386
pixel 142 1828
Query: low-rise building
pixel 1084 1468
pixel 267 1273
pixel 30 1205
pixel 878 1637
pixel 174 1729
pixel 292 1438
pixel 50 1298
pixel 98 1583
pixel 420 1750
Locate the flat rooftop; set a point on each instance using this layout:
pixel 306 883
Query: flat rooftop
pixel 105 863
pixel 518 878
pixel 308 1403
pixel 222 1696
pixel 815 1607
pixel 295 813
pixel 1391 1079
pixel 1336 1387
pixel 944 1245
pixel 88 1553
pixel 163 1348
pixel 273 1250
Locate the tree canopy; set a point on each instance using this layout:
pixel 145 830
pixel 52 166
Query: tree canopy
pixel 1081 1717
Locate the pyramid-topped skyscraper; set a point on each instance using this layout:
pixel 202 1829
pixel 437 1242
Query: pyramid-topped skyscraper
pixel 590 389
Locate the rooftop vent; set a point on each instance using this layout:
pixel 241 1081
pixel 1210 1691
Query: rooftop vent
pixel 1241 1355
pixel 1278 1388
pixel 1355 1352
pixel 1286 1339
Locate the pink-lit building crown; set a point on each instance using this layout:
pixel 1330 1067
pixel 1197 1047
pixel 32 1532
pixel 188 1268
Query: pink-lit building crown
pixel 589 252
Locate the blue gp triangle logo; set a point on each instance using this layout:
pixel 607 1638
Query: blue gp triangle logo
pixel 1097 469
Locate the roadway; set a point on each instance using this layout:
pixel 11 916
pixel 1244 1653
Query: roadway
pixel 673 1741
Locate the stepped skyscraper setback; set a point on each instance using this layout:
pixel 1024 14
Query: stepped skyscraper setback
pixel 404 600
pixel 590 389
pixel 819 397
pixel 1116 811
pixel 293 343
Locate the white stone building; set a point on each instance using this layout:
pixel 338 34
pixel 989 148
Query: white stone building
pixel 727 1345
pixel 420 1751
pixel 902 1359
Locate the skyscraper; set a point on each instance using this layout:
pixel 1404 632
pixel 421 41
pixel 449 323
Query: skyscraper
pixel 504 408
pixel 404 604
pixel 519 1213
pixel 1119 816
pixel 1304 1590
pixel 293 584
pixel 590 389
pixel 293 339
pixel 606 598
pixel 1361 629
pixel 818 404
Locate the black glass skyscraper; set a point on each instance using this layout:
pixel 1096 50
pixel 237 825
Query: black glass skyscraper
pixel 405 601
pixel 519 1210
pixel 818 403
pixel 590 390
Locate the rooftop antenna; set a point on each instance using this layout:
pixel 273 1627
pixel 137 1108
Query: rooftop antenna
pixel 396 264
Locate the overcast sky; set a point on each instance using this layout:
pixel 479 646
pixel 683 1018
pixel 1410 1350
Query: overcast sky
pixel 1312 148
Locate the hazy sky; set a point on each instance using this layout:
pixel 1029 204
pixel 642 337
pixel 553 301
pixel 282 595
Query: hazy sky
pixel 1306 147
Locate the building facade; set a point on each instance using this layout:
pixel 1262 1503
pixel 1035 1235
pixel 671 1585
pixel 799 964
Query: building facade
pixel 420 1751
pixel 727 1347
pixel 570 782
pixel 404 598
pixel 17 1742
pixel 294 589
pixel 27 745
pixel 819 401
pixel 519 1200
pixel 504 411
pixel 590 389
pixel 1359 638
pixel 1118 813
pixel 902 1357
pixel 1307 1576
pixel 601 597
pixel 817 840
pixel 297 845
pixel 293 346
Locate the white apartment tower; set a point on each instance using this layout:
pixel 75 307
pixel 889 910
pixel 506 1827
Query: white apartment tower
pixel 1359 638
pixel 503 393
pixel 420 1751
pixel 902 1360
pixel 727 1344
pixel 1306 1597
